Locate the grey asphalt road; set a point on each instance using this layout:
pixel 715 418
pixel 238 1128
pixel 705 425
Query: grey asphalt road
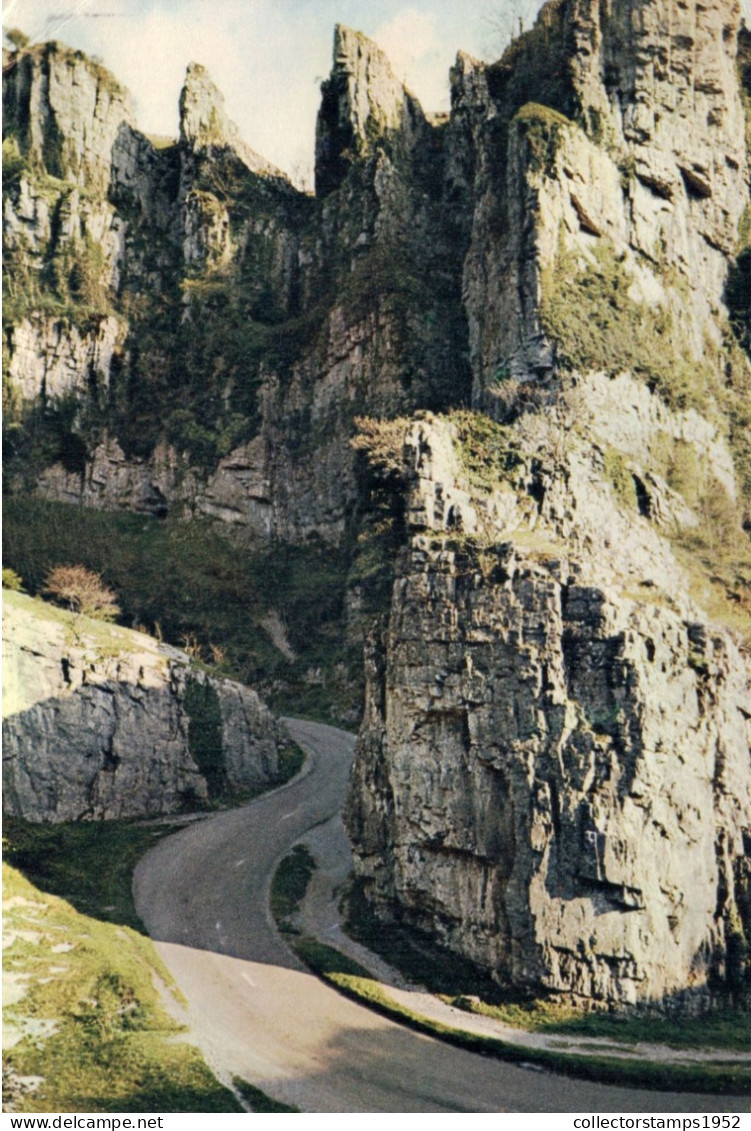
pixel 257 1014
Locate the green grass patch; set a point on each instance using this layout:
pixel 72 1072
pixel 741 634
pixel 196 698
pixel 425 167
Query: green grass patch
pixel 413 956
pixel 91 1023
pixel 288 888
pixel 730 1030
pixel 258 1100
pixel 595 324
pixel 486 450
pixel 326 960
pixel 723 1078
pixel 89 863
pixel 290 883
pixel 106 639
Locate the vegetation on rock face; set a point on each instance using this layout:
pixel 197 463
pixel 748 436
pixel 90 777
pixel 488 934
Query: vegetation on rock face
pixel 488 450
pixel 542 127
pixel 185 581
pixel 536 67
pixel 589 314
pixel 82 590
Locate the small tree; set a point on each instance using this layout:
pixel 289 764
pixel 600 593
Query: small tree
pixel 82 590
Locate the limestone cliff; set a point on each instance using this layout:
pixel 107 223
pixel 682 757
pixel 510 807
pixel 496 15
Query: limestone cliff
pixel 553 770
pixel 619 127
pixel 101 722
pixel 553 773
pixel 273 318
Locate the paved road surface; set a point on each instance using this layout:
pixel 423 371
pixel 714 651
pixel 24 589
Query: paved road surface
pixel 256 1013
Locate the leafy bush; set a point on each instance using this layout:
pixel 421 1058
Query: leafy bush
pixel 381 441
pixel 83 591
pixel 12 580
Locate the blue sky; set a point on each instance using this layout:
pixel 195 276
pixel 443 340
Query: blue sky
pixel 268 57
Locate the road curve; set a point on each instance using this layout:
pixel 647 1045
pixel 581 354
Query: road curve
pixel 256 1013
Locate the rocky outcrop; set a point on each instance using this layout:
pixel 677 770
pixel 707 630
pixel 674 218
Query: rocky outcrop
pixel 102 722
pixel 204 125
pixel 620 124
pixel 553 774
pixel 362 103
pixel 52 362
pixel 66 112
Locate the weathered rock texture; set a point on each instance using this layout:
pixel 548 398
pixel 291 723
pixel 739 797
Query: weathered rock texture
pixel 273 319
pixel 620 123
pixel 100 722
pixel 553 771
pixel 553 774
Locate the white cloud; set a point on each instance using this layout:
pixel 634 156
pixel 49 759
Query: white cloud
pixel 409 38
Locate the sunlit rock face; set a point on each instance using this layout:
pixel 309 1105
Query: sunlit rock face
pixel 100 722
pixel 553 774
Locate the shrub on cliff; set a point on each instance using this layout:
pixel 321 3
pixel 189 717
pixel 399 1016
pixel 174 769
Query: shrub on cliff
pixel 82 590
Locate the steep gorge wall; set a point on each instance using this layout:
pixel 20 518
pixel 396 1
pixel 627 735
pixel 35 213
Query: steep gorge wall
pixel 274 319
pixel 618 123
pixel 553 776
pixel 553 771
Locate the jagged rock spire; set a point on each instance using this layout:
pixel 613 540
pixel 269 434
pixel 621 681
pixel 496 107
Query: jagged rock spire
pixel 204 123
pixel 362 101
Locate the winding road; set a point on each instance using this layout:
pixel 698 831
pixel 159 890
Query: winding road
pixel 256 1013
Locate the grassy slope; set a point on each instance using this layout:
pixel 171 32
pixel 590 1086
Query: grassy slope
pixel 114 1046
pixel 98 1037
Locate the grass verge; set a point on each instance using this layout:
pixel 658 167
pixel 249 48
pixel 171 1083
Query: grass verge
pixel 94 1034
pixel 288 889
pixel 89 1029
pixel 88 863
pixel 464 985
pixel 258 1100
pixel 729 1030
